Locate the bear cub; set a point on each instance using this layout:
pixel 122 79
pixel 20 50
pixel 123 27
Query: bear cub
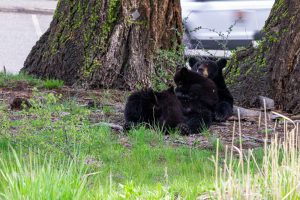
pixel 155 108
pixel 198 96
pixel 214 71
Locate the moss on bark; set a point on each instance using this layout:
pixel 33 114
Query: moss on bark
pixel 98 43
pixel 271 69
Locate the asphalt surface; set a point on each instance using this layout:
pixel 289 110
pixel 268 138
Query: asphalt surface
pixel 22 22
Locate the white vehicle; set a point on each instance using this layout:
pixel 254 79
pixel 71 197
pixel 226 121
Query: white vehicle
pixel 223 24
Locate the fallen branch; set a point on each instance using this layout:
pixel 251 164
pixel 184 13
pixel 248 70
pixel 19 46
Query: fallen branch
pixel 245 112
pixel 255 139
pixel 111 125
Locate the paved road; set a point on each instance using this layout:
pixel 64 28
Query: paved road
pixel 22 22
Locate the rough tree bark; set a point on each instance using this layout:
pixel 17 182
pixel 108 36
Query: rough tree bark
pixel 273 68
pixel 106 43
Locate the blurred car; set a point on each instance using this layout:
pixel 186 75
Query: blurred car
pixel 223 24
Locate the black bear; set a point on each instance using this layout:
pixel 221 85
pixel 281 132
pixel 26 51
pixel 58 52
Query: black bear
pixel 214 71
pixel 155 108
pixel 198 96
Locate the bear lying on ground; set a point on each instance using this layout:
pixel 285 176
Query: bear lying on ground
pixel 155 108
pixel 213 70
pixel 198 96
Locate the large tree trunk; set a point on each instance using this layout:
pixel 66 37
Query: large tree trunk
pixel 106 43
pixel 273 68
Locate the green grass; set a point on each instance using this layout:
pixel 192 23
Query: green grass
pixel 26 176
pixel 13 80
pixel 8 79
pixel 137 165
pixel 52 84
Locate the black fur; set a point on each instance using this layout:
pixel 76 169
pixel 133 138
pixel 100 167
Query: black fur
pixel 155 108
pixel 214 71
pixel 141 107
pixel 198 96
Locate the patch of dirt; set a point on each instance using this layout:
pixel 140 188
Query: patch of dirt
pixel 17 86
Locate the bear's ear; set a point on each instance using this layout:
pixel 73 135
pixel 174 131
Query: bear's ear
pixel 221 63
pixel 178 68
pixel 171 89
pixel 184 71
pixel 193 61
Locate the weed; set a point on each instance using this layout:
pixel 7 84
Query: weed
pixel 165 67
pixel 11 80
pixel 206 133
pixel 107 109
pixel 266 131
pixel 271 172
pixel 216 143
pixel 53 84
